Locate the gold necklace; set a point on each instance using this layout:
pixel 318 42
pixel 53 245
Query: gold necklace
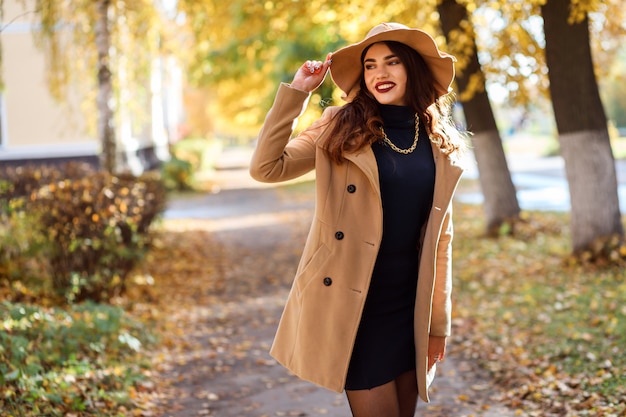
pixel 404 151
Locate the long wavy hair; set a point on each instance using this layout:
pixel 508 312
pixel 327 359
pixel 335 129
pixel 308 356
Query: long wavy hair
pixel 357 124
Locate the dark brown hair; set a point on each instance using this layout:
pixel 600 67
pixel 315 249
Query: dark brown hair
pixel 357 124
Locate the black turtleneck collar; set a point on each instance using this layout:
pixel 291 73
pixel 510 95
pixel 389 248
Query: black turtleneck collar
pixel 397 116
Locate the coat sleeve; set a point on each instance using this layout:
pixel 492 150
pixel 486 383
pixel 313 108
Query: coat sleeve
pixel 442 301
pixel 279 157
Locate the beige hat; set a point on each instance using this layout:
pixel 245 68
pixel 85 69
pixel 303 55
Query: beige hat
pixel 347 67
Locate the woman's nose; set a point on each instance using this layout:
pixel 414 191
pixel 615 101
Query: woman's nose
pixel 381 73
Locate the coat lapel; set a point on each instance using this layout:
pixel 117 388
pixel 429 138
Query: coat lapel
pixel 448 173
pixel 366 162
pixel 447 178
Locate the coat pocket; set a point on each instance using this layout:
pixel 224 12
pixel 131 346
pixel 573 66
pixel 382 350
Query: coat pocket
pixel 312 269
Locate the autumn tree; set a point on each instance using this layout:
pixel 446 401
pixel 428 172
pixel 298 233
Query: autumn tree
pixel 260 46
pixel 243 51
pixel 249 46
pixel 500 198
pixel 515 59
pixel 106 122
pixel 581 123
pixel 95 41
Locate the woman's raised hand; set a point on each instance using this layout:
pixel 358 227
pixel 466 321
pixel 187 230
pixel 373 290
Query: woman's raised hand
pixel 311 74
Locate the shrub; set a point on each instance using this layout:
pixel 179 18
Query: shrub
pixel 91 227
pixel 22 181
pixel 177 174
pixel 22 243
pixel 57 361
pixel 98 227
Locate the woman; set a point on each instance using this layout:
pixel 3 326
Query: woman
pixel 369 310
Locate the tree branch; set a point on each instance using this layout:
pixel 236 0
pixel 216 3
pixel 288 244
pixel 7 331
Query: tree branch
pixel 3 27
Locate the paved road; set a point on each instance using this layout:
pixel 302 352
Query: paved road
pixel 262 388
pixel 540 184
pixel 229 372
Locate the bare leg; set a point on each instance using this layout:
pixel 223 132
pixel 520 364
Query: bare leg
pixel 397 398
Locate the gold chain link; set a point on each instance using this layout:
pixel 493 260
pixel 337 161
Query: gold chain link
pixel 404 151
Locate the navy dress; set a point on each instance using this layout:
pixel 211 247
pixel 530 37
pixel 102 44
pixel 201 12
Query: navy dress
pixel 384 347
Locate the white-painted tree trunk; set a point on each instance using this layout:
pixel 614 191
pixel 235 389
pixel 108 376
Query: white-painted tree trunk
pixel 590 170
pixel 582 126
pixel 500 204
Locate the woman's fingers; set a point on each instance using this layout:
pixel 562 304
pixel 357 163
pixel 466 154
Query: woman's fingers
pixel 316 67
pixel 311 74
pixel 313 67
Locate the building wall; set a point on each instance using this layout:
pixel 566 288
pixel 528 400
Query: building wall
pixel 34 124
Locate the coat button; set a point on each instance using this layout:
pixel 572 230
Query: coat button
pixel 351 188
pixel 328 281
pixel 339 235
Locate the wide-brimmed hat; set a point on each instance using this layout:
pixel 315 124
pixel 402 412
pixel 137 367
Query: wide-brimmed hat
pixel 347 66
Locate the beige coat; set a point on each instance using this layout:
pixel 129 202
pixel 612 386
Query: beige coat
pixel 322 314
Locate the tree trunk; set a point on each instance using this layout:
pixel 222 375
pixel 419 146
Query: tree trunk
pixel 582 127
pixel 500 196
pixel 106 125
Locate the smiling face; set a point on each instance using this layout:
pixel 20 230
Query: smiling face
pixel 385 75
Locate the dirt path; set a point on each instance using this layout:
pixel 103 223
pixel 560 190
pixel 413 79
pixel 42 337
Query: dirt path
pixel 218 363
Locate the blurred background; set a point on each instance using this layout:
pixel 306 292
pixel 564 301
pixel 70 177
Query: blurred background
pixel 122 256
pixel 204 72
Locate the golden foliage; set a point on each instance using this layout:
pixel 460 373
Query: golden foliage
pixel 549 333
pixel 243 49
pixel 475 85
pixel 68 42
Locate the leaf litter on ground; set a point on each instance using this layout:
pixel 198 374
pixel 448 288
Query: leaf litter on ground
pixel 549 331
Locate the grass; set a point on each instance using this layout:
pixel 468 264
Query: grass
pixel 550 329
pixel 88 359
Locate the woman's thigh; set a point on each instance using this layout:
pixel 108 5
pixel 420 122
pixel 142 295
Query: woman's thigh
pixel 397 398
